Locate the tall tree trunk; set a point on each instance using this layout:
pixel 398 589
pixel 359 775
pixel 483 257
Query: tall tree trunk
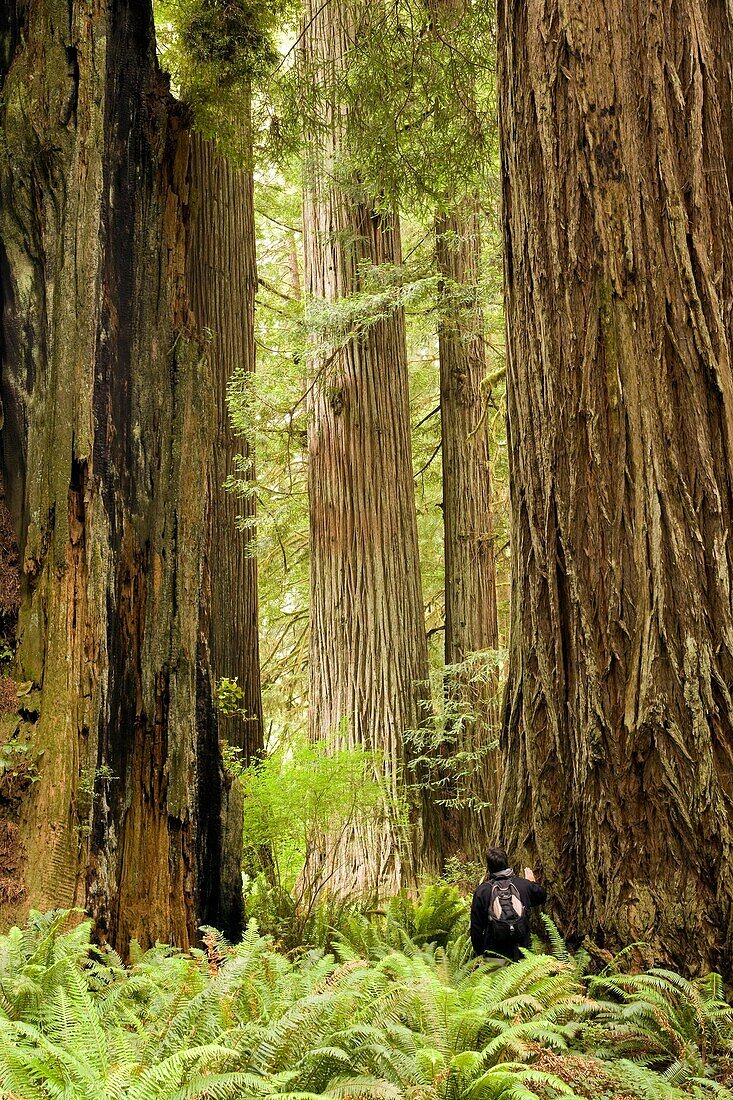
pixel 106 445
pixel 223 284
pixel 471 620
pixel 470 583
pixel 617 132
pixel 369 667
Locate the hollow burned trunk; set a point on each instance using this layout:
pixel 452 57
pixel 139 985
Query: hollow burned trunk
pixel 106 445
pixel 617 131
pixel 369 666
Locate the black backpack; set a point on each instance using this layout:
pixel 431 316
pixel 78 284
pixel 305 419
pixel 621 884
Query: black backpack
pixel 508 919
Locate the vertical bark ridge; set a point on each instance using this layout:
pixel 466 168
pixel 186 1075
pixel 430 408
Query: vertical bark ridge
pixel 223 284
pixel 471 782
pixel 471 622
pixel 619 260
pixel 369 668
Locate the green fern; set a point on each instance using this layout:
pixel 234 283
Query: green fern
pixel 391 1014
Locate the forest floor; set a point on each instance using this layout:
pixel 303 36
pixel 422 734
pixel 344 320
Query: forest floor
pixel 390 1004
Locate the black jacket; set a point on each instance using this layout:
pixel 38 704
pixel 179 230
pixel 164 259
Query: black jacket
pixel 531 893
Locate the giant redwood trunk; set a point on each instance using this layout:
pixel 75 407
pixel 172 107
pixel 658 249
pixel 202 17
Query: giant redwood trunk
pixel 223 284
pixel 368 647
pixel 617 132
pixel 106 437
pixel 471 624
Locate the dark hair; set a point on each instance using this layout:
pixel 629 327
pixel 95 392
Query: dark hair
pixel 496 860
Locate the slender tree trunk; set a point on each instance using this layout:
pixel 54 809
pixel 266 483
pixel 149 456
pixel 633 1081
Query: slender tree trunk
pixel 470 582
pixel 369 667
pixel 471 624
pixel 223 284
pixel 617 132
pixel 106 444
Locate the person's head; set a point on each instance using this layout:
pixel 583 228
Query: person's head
pixel 496 860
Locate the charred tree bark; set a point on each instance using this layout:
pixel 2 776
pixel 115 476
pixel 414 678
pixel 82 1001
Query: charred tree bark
pixel 223 284
pixel 471 623
pixel 106 444
pixel 617 131
pixel 369 667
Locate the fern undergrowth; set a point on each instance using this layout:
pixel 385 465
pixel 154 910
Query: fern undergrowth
pixel 398 1008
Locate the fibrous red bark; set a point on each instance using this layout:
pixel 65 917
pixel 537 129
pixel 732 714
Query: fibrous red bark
pixel 617 126
pixel 471 623
pixel 369 668
pixel 222 287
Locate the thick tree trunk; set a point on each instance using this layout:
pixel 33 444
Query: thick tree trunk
pixel 470 581
pixel 369 668
pixel 617 130
pixel 106 445
pixel 223 284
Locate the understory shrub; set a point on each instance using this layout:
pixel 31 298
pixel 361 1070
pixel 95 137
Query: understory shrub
pixel 299 802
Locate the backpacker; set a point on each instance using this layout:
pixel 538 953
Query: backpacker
pixel 508 921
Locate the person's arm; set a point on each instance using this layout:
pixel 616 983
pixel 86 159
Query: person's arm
pixel 478 924
pixel 537 895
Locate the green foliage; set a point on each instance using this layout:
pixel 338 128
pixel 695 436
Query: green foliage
pixel 217 52
pixel 88 786
pixel 229 696
pixel 439 918
pixel 16 758
pixel 420 1020
pixel 302 795
pixel 73 1023
pixel 443 760
pixel 665 1020
pixel 383 290
pixel 433 918
pixel 19 763
pixel 418 87
pixel 298 802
